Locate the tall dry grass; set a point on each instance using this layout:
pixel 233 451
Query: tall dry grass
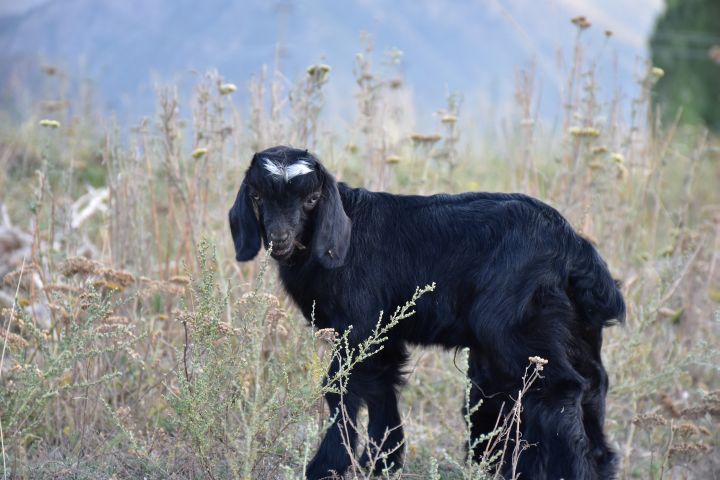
pixel 135 346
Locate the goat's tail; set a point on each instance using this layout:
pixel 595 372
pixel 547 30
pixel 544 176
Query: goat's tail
pixel 594 292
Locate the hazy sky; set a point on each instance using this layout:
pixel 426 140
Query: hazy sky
pixel 473 47
pixel 12 7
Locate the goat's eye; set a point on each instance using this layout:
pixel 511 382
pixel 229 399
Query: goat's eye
pixel 311 200
pixel 255 195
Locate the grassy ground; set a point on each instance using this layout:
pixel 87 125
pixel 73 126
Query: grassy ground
pixel 135 346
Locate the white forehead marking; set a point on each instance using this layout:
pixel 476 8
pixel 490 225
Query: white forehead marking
pixel 287 172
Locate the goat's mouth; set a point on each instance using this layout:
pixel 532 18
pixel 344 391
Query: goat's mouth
pixel 282 251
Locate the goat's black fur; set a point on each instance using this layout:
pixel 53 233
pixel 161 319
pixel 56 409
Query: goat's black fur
pixel 513 280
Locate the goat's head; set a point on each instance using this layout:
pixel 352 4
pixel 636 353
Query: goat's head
pixel 288 198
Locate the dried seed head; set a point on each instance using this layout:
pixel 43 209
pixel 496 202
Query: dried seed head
pixel 12 278
pixel 392 159
pixel 275 315
pixel 14 341
pixel 117 320
pixel 85 299
pixel 107 328
pixel 425 139
pixel 184 316
pixel 151 287
pixel 79 265
pixel 595 164
pixel 181 280
pixel 670 404
pixel 711 403
pixel 226 329
pixel 227 88
pixel 319 70
pixel 539 362
pixel 326 335
pixel 588 132
pixel 581 22
pixel 684 452
pixel 649 420
pixel 49 70
pixel 251 298
pixel 119 277
pixel 199 153
pixel 686 429
pixel 104 284
pixel 49 123
pixel 318 74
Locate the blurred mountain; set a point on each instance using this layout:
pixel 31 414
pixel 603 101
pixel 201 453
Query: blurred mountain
pixel 126 47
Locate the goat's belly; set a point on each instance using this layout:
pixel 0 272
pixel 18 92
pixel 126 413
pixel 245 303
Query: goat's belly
pixel 449 333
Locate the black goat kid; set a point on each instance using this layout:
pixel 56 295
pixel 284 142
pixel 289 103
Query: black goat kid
pixel 513 281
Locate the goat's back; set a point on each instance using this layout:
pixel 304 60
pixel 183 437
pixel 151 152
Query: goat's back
pixel 488 253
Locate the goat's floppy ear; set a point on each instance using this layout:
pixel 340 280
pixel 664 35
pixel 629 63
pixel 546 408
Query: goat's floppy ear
pixel 331 239
pixel 244 226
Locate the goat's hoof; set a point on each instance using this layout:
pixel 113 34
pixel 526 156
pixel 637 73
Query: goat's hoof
pixel 318 470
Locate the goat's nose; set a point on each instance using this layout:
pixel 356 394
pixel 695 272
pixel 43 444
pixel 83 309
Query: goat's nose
pixel 279 236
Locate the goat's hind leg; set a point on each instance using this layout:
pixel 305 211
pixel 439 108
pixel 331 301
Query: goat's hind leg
pixel 555 443
pixel 553 419
pixel 487 409
pixel 593 404
pixel 554 430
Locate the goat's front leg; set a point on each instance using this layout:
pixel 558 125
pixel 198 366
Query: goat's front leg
pixel 385 433
pixel 334 455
